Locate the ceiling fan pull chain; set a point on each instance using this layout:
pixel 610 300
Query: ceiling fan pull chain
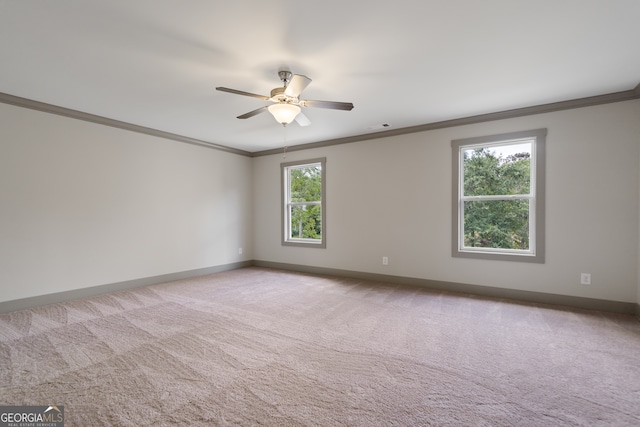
pixel 284 148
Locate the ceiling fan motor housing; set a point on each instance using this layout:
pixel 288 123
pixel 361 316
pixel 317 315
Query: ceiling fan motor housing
pixel 278 95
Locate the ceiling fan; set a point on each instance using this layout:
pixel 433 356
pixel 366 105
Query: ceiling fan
pixel 286 103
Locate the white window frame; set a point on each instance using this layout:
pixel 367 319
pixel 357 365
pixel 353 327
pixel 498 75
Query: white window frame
pixel 536 197
pixel 287 239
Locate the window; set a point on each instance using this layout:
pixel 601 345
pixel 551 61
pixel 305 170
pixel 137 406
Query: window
pixel 498 197
pixel 303 187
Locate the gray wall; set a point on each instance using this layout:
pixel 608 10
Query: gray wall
pixel 84 204
pixel 392 197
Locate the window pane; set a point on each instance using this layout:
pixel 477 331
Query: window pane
pixel 497 170
pixel 500 224
pixel 306 184
pixel 306 222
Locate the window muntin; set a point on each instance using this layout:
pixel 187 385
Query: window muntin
pixel 303 203
pixel 498 210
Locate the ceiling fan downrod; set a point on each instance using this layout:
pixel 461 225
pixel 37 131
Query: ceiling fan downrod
pixel 285 76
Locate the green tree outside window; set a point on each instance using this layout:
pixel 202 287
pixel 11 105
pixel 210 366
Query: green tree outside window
pixel 497 223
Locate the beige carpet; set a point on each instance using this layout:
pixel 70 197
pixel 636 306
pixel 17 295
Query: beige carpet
pixel 266 347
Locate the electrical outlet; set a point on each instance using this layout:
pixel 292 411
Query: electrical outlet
pixel 585 278
pixel 239 251
pixel 385 260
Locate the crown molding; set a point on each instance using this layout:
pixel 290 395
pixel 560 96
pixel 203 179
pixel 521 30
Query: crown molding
pixel 626 95
pixel 75 114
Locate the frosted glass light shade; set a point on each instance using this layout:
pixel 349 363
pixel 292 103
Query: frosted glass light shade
pixel 284 113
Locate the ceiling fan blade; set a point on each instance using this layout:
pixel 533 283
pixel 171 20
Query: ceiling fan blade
pixel 239 92
pixel 253 113
pixel 347 106
pixel 302 120
pixel 297 84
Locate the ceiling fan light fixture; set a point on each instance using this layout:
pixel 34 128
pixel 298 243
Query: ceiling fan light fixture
pixel 284 113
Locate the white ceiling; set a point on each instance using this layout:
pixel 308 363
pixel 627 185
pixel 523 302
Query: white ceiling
pixel 156 63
